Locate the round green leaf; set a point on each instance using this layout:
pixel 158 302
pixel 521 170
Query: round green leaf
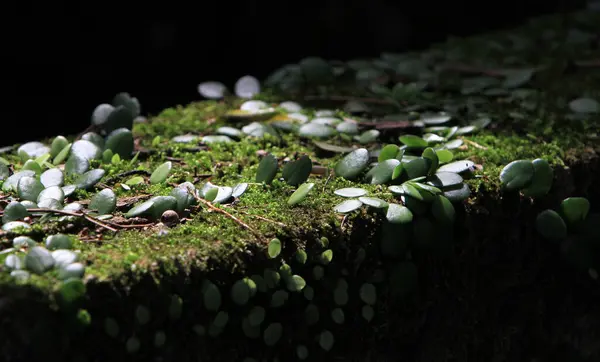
pixel 29 188
pixel 368 136
pixel 574 209
pixel 458 194
pixel 382 172
pixel 347 206
pixel 267 169
pixel 541 183
pixel 120 142
pixel 300 193
pixel 94 138
pixel 413 141
pixel 445 179
pixel 584 105
pixel 272 334
pixel 86 150
pixel 326 340
pixel 144 208
pixel 353 164
pixel 550 225
pixel 431 155
pixel 247 86
pixel 398 214
pixel 388 152
pixel 240 292
pixel 350 192
pixel 316 130
pixel 71 291
pixel 457 166
pixel 416 168
pixel 76 165
pixel 89 178
pixel 161 173
pixel 337 315
pixel 57 145
pixel 274 248
pixel 297 172
pixel 212 90
pixel 295 284
pixel 14 211
pixel 11 183
pixel 211 296
pixel 443 210
pixel 59 241
pixel 373 202
pixel 52 192
pixel 368 293
pixel 104 201
pixel 52 177
pixel 517 174
pixel 38 260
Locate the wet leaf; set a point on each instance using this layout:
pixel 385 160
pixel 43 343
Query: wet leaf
pixel 382 172
pixel 104 201
pixel 89 178
pixel 297 172
pixel 350 192
pixel 352 164
pixel 398 214
pixel 541 182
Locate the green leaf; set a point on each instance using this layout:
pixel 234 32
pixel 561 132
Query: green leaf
pixel 457 166
pixel 161 173
pixel 240 292
pixel 337 315
pixel 326 340
pixel 347 206
pixel 52 177
pixel 574 209
pixel 443 210
pixel 550 225
pixel 368 293
pixel 373 202
pixel 104 201
pixel 517 174
pixel 211 296
pixel 86 150
pixel 350 192
pixel 300 193
pixel 382 172
pixel 14 211
pixel 145 208
pixel 584 105
pixel 120 142
pixel 71 292
pixel 368 136
pixel 416 168
pixel 352 164
pixel 295 284
pixel 212 90
pixel 58 143
pixel 431 155
pixel 52 192
pixel 541 182
pixel 310 130
pixel 435 119
pixel 94 138
pixel 413 141
pixel 274 248
pixel 272 334
pixel 267 169
pixel 89 178
pixel 297 172
pixel 458 194
pixel 388 152
pixel 135 180
pixel 76 165
pixel 398 214
pixel 38 260
pixel 62 155
pixel 29 188
pixel 445 179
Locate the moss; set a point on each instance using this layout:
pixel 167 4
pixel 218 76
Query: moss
pixel 150 265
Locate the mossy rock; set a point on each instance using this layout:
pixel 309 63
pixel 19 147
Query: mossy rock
pixel 201 284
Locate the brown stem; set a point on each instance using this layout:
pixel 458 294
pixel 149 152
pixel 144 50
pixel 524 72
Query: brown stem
pixel 76 214
pixel 235 219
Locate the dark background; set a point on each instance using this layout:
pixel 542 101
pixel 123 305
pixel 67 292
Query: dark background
pixel 64 59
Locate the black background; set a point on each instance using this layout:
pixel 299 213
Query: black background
pixel 64 59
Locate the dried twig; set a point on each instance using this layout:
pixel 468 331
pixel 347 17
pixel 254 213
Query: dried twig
pixel 265 219
pixel 235 219
pixel 76 214
pixel 475 144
